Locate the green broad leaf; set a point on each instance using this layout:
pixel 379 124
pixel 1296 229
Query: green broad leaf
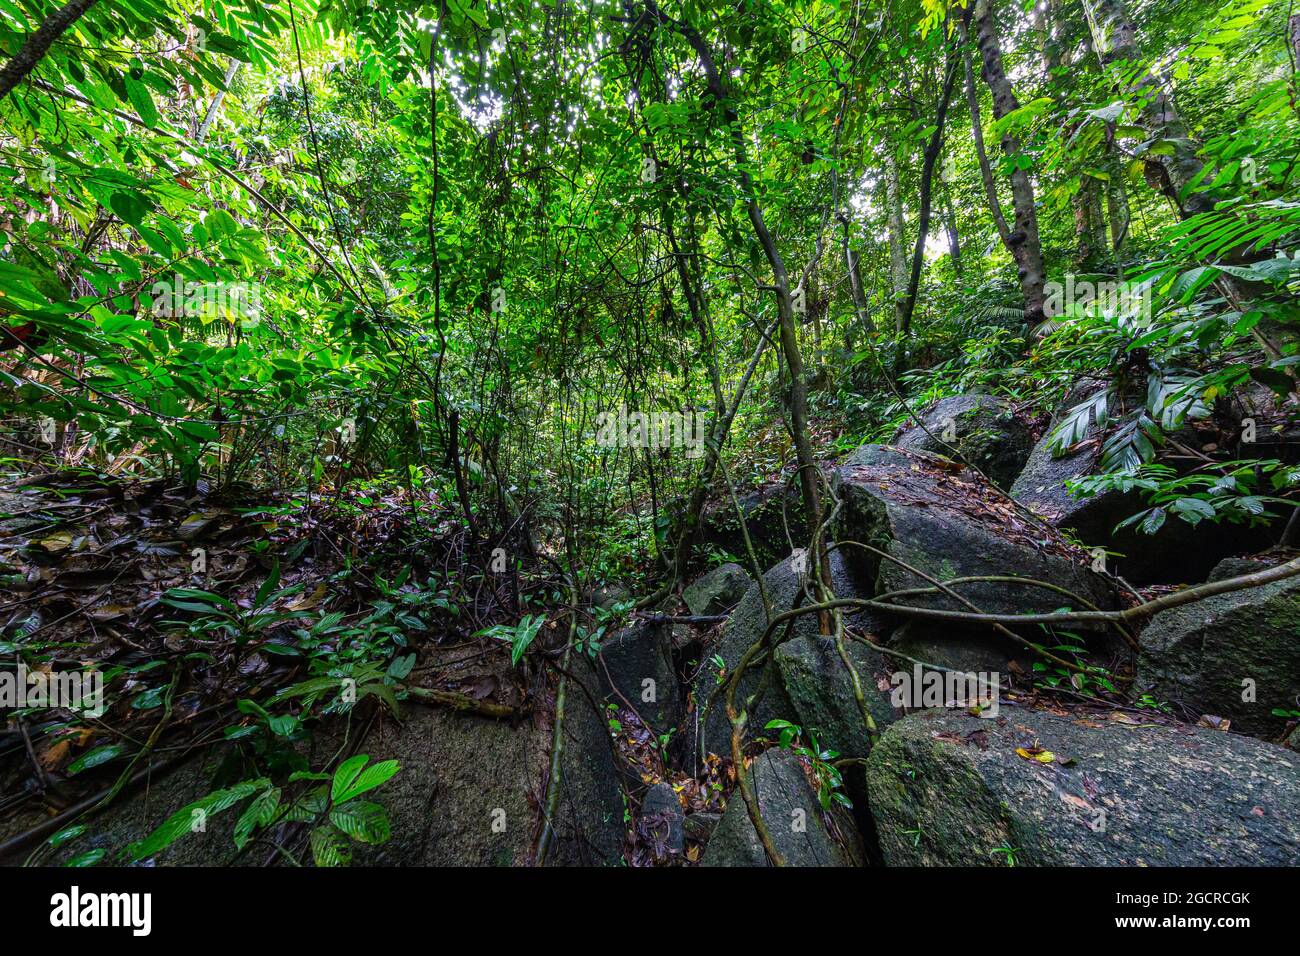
pixel 260 812
pixel 329 847
pixel 362 821
pixel 66 835
pixel 100 755
pixel 1154 521
pixel 142 100
pixel 362 781
pixel 268 586
pixel 89 858
pixel 129 207
pixel 189 817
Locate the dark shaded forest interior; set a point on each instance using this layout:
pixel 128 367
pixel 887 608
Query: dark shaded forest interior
pixel 649 433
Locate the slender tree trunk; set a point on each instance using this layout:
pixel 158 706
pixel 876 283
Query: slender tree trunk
pixel 932 150
pixel 950 224
pixel 231 72
pixel 1116 43
pixel 787 322
pixel 1089 224
pixel 977 134
pixel 1117 210
pixel 894 217
pixel 1024 243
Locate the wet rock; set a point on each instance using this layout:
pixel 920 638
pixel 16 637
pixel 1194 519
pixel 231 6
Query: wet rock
pixel 662 819
pixel 1234 655
pixel 984 430
pixel 949 524
pixel 794 818
pixel 948 789
pixel 1178 552
pixel 745 626
pixel 635 666
pixel 717 591
pixel 774 514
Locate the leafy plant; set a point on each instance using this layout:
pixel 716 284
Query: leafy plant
pixel 333 810
pixel 826 775
pixel 518 636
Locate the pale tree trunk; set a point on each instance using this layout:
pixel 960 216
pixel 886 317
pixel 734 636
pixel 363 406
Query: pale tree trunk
pixel 950 223
pixel 894 214
pixel 1116 43
pixel 1117 204
pixel 231 72
pixel 1089 224
pixel 1025 247
pixel 977 134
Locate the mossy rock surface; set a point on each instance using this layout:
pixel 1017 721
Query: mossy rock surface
pixel 801 831
pixel 983 430
pixel 950 789
pixel 1234 655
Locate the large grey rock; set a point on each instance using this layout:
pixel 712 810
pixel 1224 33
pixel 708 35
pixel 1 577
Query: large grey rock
pixel 443 810
pixel 717 591
pixel 948 789
pixel 774 515
pixel 794 818
pixel 985 432
pixel 745 626
pixel 949 523
pixel 961 650
pixel 635 666
pixel 606 596
pixel 590 827
pixel 662 821
pixel 1200 655
pixel 820 690
pixel 1177 552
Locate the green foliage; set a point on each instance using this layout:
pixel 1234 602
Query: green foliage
pixel 828 778
pixel 332 809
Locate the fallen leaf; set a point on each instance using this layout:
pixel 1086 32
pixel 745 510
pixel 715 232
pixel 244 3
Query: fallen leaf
pixel 1036 753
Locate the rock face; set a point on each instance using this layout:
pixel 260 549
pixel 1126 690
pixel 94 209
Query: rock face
pixel 444 813
pixel 605 596
pixel 444 810
pixel 589 830
pixel 923 512
pixel 635 665
pixel 717 591
pixel 745 626
pixel 1199 655
pixel 794 819
pixel 662 821
pixel 984 429
pixel 770 512
pixel 1178 552
pixel 821 692
pixel 949 789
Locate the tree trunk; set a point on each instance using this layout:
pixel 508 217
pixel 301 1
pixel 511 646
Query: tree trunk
pixel 977 134
pixel 1024 243
pixel 1116 43
pixel 927 182
pixel 897 264
pixel 1089 224
pixel 38 44
pixel 1117 205
pixel 950 224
